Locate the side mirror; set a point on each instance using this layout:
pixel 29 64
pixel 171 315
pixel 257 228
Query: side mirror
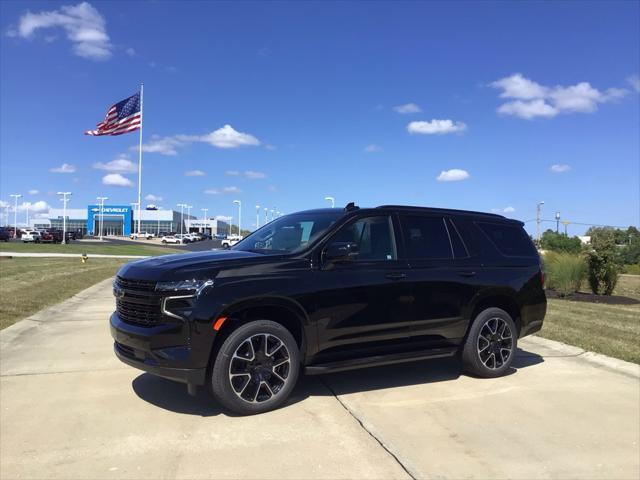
pixel 341 251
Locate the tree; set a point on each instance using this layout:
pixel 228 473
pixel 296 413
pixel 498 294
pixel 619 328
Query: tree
pixel 558 242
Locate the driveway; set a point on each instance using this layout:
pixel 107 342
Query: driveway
pixel 69 409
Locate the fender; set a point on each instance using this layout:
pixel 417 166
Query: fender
pixel 505 292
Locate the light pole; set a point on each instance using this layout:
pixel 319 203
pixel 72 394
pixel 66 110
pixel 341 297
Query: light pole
pixel 135 206
pixel 257 217
pixel 6 215
pixel 189 207
pixel 181 205
pixel 273 213
pixel 538 208
pixel 266 215
pixel 557 222
pixel 158 218
pixel 239 203
pixel 205 210
pixel 64 199
pixel 15 196
pixel 565 223
pixel 332 200
pixel 27 205
pixel 101 222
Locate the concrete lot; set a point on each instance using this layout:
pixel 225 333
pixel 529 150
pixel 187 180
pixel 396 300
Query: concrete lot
pixel 69 409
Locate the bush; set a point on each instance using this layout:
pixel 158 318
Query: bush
pixel 558 242
pixel 564 272
pixel 603 269
pixel 633 269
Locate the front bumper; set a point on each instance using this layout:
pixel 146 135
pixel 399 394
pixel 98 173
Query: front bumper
pixel 153 350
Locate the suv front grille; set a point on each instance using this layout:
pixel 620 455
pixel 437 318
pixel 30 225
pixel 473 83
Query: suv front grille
pixel 142 314
pixel 135 285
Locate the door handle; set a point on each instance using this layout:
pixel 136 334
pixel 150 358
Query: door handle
pixel 467 274
pixel 396 276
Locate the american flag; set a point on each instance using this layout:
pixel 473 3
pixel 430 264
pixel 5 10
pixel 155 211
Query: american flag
pixel 123 117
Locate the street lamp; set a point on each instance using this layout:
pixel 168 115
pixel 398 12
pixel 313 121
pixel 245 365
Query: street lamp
pixel 101 223
pixel 257 217
pixel 266 215
pixel 15 196
pixel 332 200
pixel 27 205
pixel 538 208
pixel 557 222
pixel 239 203
pixel 64 214
pixel 273 213
pixel 182 206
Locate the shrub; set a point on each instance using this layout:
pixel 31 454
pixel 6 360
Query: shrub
pixel 603 269
pixel 558 242
pixel 633 269
pixel 564 272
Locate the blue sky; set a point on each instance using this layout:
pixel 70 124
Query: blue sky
pixel 477 105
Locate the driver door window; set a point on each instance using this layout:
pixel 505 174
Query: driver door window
pixel 374 238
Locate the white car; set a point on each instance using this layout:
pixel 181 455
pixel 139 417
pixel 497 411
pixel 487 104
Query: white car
pixel 171 239
pixel 230 241
pixel 31 236
pixel 145 235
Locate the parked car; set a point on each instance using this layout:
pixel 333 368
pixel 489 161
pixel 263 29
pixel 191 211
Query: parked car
pixel 171 239
pixel 5 234
pixel 137 236
pixel 183 237
pixel 230 241
pixel 50 236
pixel 220 236
pixel 31 236
pixel 329 290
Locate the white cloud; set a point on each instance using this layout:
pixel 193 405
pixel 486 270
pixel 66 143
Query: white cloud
pixel 407 108
pixel 232 173
pixel 130 51
pixel 272 188
pixel 509 210
pixel 560 168
pixel 223 218
pixel 372 148
pixel 212 191
pixel 453 175
pixel 194 173
pixel 120 165
pixel 436 127
pixel 634 81
pixel 117 180
pixel 34 192
pixel 64 168
pixel 516 86
pixel 268 146
pixel 4 204
pixel 36 207
pixel 223 190
pixel 84 25
pixel 534 100
pixel 253 175
pixel 226 137
pixel 231 190
pixel 528 109
pixel 153 198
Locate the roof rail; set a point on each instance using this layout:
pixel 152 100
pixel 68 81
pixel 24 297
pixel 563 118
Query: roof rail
pixel 442 210
pixel 351 206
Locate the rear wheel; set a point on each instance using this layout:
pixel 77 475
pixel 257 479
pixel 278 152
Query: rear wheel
pixel 491 344
pixel 256 368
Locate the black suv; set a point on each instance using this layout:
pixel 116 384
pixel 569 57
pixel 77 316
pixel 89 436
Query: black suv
pixel 327 290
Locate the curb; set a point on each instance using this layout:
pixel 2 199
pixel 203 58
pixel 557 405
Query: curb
pixel 620 366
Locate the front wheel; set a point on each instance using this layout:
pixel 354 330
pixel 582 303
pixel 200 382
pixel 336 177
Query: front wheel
pixel 256 368
pixel 491 344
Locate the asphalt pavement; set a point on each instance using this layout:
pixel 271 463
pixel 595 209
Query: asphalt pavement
pixel 70 410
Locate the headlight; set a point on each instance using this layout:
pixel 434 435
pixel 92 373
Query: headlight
pixel 195 286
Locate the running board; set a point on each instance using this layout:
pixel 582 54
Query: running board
pixel 379 360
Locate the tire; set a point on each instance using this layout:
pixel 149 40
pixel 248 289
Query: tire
pixel 268 384
pixel 164 241
pixel 492 334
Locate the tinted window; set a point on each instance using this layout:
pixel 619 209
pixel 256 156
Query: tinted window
pixel 425 237
pixel 459 248
pixel 373 236
pixel 510 240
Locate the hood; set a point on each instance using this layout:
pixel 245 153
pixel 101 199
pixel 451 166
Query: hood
pixel 186 265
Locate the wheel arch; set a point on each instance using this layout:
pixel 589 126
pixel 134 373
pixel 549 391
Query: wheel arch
pixel 504 299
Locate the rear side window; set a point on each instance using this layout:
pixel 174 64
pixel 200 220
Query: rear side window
pixel 510 240
pixel 425 237
pixel 459 248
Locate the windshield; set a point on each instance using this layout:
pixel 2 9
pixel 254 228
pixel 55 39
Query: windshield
pixel 289 234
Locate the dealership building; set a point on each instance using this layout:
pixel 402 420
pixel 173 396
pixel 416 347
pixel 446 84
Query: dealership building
pixel 118 220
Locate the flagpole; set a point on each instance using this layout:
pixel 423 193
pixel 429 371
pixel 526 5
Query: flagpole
pixel 140 157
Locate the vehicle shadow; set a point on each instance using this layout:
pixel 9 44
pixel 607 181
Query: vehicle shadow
pixel 173 396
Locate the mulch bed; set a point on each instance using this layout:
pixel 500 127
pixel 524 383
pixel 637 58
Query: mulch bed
pixel 593 298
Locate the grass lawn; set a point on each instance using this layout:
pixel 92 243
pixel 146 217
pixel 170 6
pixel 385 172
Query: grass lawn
pixel 89 248
pixel 612 330
pixel 31 284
